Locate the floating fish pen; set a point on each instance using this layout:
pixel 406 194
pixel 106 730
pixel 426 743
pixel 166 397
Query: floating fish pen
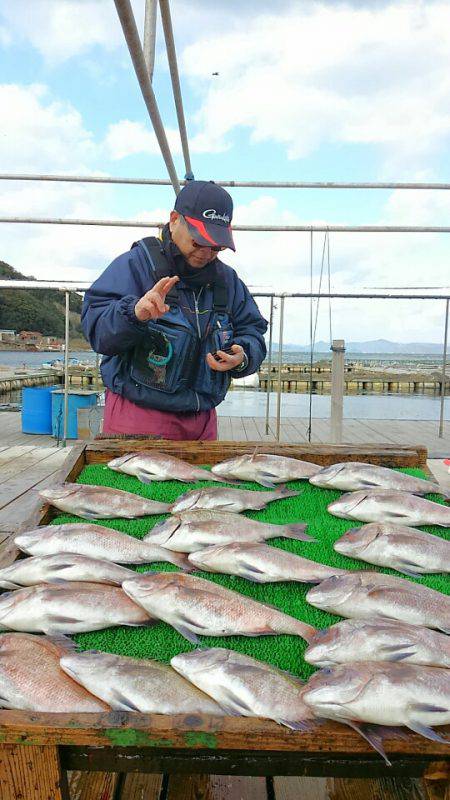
pixel 50 744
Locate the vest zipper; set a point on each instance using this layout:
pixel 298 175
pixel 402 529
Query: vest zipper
pixel 198 329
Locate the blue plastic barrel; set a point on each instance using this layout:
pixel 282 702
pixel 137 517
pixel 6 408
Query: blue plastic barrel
pixel 37 409
pixel 80 399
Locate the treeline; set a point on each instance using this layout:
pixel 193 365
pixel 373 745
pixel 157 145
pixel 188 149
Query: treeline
pixel 36 309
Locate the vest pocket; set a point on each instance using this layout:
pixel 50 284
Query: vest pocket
pixel 167 357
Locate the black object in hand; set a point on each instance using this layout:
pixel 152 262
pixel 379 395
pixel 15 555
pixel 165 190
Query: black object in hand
pixel 226 350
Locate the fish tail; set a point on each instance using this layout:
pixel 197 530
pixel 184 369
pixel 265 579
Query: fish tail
pixel 296 627
pixel 297 531
pixel 283 491
pixel 180 560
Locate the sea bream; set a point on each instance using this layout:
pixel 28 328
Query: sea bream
pixel 100 502
pixel 137 684
pixel 378 639
pixel 246 687
pixel 264 469
pixel 261 563
pixel 383 505
pixel 94 541
pixel 399 547
pixel 364 595
pixel 227 499
pixel 148 466
pixel 72 607
pixel 188 531
pixel 383 694
pixel 31 678
pixel 196 606
pixel 351 476
pixel 62 567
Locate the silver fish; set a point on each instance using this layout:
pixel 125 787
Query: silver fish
pixel 385 694
pixel 94 541
pixel 62 567
pixel 189 531
pixel 364 595
pixel 244 686
pixel 378 639
pixel 225 499
pixel 100 502
pixel 350 476
pixel 197 606
pixel 264 469
pixel 71 607
pixel 261 563
pixel 148 466
pixel 135 684
pixel 397 546
pixel 382 505
pixel 31 678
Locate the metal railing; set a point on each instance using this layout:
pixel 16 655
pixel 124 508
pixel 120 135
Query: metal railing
pixel 80 286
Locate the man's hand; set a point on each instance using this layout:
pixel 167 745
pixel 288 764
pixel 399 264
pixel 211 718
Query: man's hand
pixel 152 305
pixel 227 361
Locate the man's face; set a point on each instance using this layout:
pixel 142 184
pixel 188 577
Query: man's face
pixel 195 255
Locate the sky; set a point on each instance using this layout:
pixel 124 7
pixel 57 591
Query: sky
pixel 305 90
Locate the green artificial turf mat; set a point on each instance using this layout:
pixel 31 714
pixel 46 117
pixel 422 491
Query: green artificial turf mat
pixel 162 642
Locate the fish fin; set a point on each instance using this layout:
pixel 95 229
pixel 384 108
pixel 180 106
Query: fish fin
pixel 398 652
pixel 370 735
pixel 426 731
pixel 428 708
pixel 295 725
pixel 10 586
pixel 296 531
pixel 186 633
pixel 251 573
pixel 284 491
pixel 87 514
pixel 268 484
pixel 444 630
pixel 145 477
pixel 408 572
pixel 119 702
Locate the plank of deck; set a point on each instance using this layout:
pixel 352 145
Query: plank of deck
pixel 300 789
pixel 216 787
pixel 24 460
pixel 92 785
pixel 19 484
pixel 138 786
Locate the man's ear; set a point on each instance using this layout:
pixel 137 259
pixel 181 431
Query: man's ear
pixel 174 216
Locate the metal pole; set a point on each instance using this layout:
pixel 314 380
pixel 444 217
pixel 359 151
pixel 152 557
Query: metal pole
pixel 9 176
pixel 337 390
pixel 176 88
pixel 269 365
pixel 131 34
pixel 66 371
pixel 444 369
pixel 280 361
pixel 114 223
pixel 151 9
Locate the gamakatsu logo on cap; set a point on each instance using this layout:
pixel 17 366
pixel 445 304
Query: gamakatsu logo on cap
pixel 211 213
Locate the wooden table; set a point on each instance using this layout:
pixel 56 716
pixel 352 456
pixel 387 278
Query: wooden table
pixel 37 750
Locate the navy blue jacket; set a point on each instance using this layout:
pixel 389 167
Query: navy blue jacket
pixel 112 328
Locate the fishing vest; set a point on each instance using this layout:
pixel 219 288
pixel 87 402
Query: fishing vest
pixel 172 355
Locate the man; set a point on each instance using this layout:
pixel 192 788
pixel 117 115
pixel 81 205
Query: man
pixel 174 323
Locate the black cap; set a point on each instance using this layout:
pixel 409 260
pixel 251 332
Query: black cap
pixel 208 211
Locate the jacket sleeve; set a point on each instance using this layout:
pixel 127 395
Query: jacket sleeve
pixel 249 329
pixel 107 316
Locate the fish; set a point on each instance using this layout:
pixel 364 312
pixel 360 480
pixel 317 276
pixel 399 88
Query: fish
pixel 62 567
pixel 100 502
pixel 396 546
pixel 31 678
pixel 264 469
pixel 378 639
pixel 384 694
pixel 261 563
pixel 227 499
pixel 382 505
pixel 246 687
pixel 188 531
pixel 363 595
pixel 196 606
pixel 72 607
pixel 149 465
pixel 351 476
pixel 94 541
pixel 137 684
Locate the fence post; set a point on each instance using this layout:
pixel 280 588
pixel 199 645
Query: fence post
pixel 337 389
pixel 444 374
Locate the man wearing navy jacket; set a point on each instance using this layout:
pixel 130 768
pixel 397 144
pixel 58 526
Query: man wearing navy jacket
pixel 174 323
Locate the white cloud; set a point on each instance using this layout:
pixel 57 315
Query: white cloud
pixel 128 138
pixel 326 74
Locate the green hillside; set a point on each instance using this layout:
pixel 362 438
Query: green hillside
pixel 36 309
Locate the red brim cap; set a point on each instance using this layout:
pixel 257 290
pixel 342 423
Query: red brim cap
pixel 210 234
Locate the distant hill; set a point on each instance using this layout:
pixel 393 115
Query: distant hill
pixel 373 346
pixel 36 309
